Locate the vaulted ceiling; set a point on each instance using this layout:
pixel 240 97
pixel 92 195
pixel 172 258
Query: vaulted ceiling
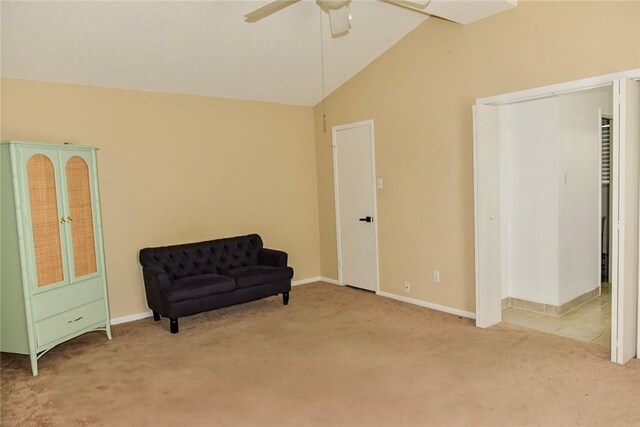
pixel 204 48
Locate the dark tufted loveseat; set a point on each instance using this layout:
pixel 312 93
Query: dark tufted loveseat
pixel 187 279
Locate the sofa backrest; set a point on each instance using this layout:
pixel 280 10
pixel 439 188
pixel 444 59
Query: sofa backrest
pixel 210 257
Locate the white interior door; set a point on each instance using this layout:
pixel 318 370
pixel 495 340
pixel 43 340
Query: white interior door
pixel 487 214
pixel 624 307
pixel 355 205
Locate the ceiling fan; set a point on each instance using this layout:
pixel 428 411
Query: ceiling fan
pixel 338 10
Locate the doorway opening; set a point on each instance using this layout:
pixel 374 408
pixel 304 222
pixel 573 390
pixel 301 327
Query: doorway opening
pixel 552 215
pixel 538 208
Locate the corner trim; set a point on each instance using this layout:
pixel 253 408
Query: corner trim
pixel 426 304
pixel 131 317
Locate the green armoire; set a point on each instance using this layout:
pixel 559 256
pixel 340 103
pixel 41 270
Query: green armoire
pixel 52 274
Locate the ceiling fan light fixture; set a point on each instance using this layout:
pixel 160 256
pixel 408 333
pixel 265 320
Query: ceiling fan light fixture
pixel 339 21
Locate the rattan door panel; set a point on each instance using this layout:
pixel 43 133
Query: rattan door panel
pixel 81 219
pixel 45 220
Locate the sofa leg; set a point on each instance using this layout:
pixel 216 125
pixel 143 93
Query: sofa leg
pixel 174 325
pixel 156 316
pixel 285 298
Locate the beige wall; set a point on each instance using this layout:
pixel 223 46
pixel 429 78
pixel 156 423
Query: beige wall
pixel 177 168
pixel 420 93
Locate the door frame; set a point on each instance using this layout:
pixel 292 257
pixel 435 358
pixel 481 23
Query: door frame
pixel 336 187
pixel 544 92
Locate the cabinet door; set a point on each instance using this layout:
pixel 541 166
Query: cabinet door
pixel 81 214
pixel 44 222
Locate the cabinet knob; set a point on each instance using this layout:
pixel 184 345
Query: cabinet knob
pixel 69 220
pixel 63 221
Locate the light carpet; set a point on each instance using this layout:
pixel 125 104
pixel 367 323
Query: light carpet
pixel 335 356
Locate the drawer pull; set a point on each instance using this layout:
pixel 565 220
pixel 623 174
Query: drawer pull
pixel 75 320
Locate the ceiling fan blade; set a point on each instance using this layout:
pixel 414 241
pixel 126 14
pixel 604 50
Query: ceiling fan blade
pixel 268 9
pixel 418 4
pixel 406 5
pixel 339 20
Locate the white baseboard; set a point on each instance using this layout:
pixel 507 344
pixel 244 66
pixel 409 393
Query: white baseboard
pixel 314 279
pixel 145 314
pixel 332 281
pixel 430 305
pixel 443 308
pixel 421 303
pixel 131 317
pixel 305 281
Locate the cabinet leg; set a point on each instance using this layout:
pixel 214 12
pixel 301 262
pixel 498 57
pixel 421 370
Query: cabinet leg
pixel 34 364
pixel 107 329
pixel 174 325
pixel 156 316
pixel 285 298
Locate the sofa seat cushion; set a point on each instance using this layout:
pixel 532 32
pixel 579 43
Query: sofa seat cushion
pixel 199 286
pixel 254 275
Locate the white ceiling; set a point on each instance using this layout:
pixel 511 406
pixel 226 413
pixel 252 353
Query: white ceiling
pixel 201 48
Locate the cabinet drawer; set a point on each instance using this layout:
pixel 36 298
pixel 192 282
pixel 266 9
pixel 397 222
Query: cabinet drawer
pixel 59 300
pixel 69 322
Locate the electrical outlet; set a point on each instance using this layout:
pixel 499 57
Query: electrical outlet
pixel 407 287
pixel 436 276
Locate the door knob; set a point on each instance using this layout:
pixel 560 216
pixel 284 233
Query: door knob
pixel 366 219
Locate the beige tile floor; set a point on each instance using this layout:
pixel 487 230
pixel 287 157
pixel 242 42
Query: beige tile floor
pixel 590 322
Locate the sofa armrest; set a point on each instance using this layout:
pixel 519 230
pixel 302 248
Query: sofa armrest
pixel 156 277
pixel 156 280
pixel 272 257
